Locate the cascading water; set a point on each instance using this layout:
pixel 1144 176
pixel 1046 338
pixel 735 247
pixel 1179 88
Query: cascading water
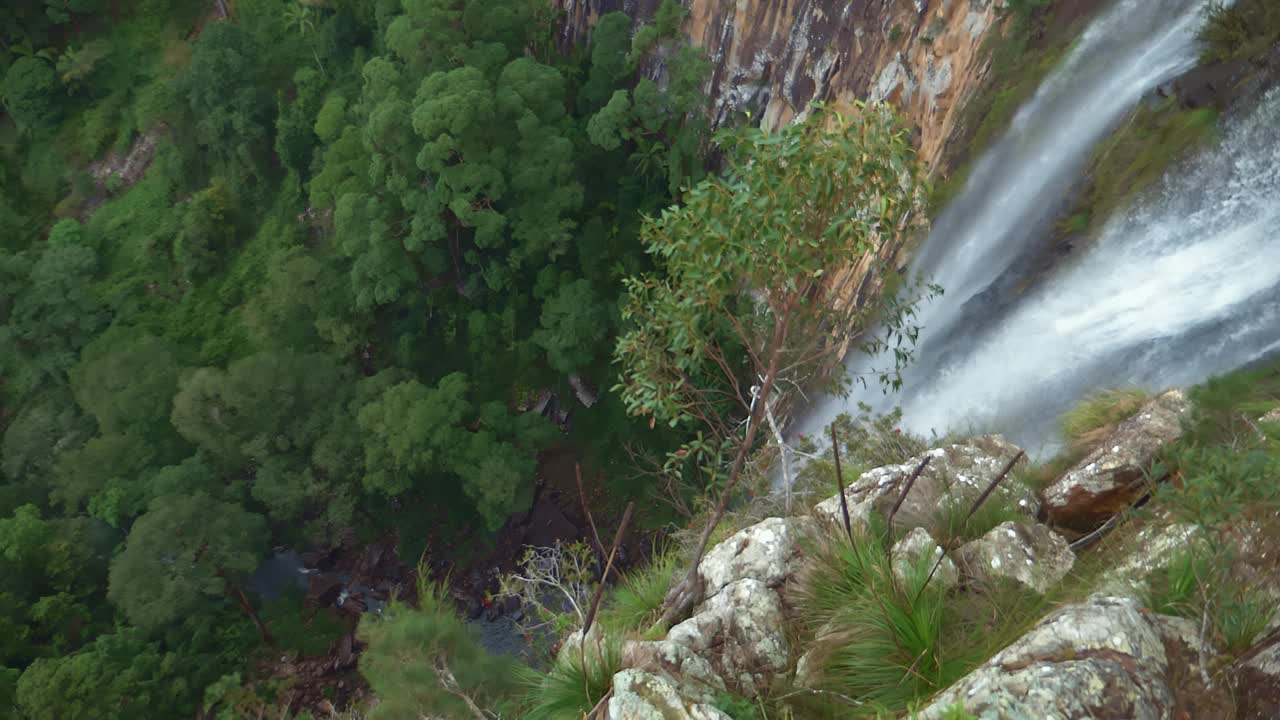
pixel 1163 297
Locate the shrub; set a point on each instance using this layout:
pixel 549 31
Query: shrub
pixel 424 661
pixel 1239 30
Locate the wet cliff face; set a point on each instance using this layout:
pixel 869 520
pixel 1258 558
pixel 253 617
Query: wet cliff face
pixel 772 57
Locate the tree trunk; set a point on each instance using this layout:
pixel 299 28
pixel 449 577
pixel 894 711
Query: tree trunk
pixel 247 607
pixel 683 595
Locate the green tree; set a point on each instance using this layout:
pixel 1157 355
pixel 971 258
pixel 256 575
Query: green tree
pixel 424 661
pixel 267 404
pixel 226 93
pixel 126 379
pixel 31 93
pixel 574 324
pixel 745 257
pixel 184 556
pixel 117 677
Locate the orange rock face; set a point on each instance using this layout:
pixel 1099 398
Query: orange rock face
pixel 773 57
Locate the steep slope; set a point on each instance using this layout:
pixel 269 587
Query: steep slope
pixel 772 58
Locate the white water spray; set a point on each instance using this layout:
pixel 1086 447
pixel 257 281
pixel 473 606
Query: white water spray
pixel 1184 286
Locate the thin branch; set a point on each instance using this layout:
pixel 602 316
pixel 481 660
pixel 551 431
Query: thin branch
pixel 844 503
pixel 911 481
pixel 595 536
pixel 617 540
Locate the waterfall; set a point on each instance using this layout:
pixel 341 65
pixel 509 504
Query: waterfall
pixel 1181 286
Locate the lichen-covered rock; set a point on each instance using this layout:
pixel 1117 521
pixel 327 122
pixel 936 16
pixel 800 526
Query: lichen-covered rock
pixel 765 552
pixel 1150 549
pixel 1259 684
pixel 699 678
pixel 1031 554
pixel 639 695
pixel 1111 478
pixel 913 550
pixel 740 631
pixel 1102 659
pixel 956 475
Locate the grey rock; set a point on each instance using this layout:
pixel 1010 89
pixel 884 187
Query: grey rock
pixel 763 552
pixel 1258 684
pixel 639 695
pixel 1031 554
pixel 917 548
pixel 956 474
pixel 1101 659
pixel 740 631
pixel 1111 478
pixel 1150 549
pixel 699 680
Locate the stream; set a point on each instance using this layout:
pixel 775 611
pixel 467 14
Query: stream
pixel 1182 285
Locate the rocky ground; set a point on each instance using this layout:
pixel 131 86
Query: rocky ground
pixel 1099 653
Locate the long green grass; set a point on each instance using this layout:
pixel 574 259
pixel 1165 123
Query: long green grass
pixel 572 687
pixel 1096 416
pixel 881 637
pixel 637 602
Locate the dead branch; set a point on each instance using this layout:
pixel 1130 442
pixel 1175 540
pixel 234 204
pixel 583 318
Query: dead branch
pixel 906 489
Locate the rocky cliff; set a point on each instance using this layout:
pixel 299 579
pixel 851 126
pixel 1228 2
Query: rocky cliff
pixel 773 57
pixel 1094 647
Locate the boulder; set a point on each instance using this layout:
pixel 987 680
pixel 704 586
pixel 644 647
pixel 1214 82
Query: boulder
pixel 956 475
pixel 764 552
pixel 910 552
pixel 740 631
pixel 1259 683
pixel 1112 477
pixel 665 657
pixel 639 695
pixel 1030 554
pixel 1101 659
pixel 1148 550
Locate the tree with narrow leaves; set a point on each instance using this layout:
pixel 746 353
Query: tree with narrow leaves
pixel 745 302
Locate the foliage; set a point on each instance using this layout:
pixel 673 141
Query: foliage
pixel 424 661
pixel 887 647
pixel 555 584
pixel 1242 29
pixel 635 602
pixel 572 687
pixel 290 279
pixel 1096 416
pixel 792 204
pixel 30 90
pixel 183 552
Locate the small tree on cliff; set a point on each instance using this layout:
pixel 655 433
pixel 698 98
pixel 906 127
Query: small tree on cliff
pixel 744 303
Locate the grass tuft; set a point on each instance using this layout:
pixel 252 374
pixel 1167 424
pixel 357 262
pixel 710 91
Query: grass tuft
pixel 1092 420
pixel 637 602
pixel 570 689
